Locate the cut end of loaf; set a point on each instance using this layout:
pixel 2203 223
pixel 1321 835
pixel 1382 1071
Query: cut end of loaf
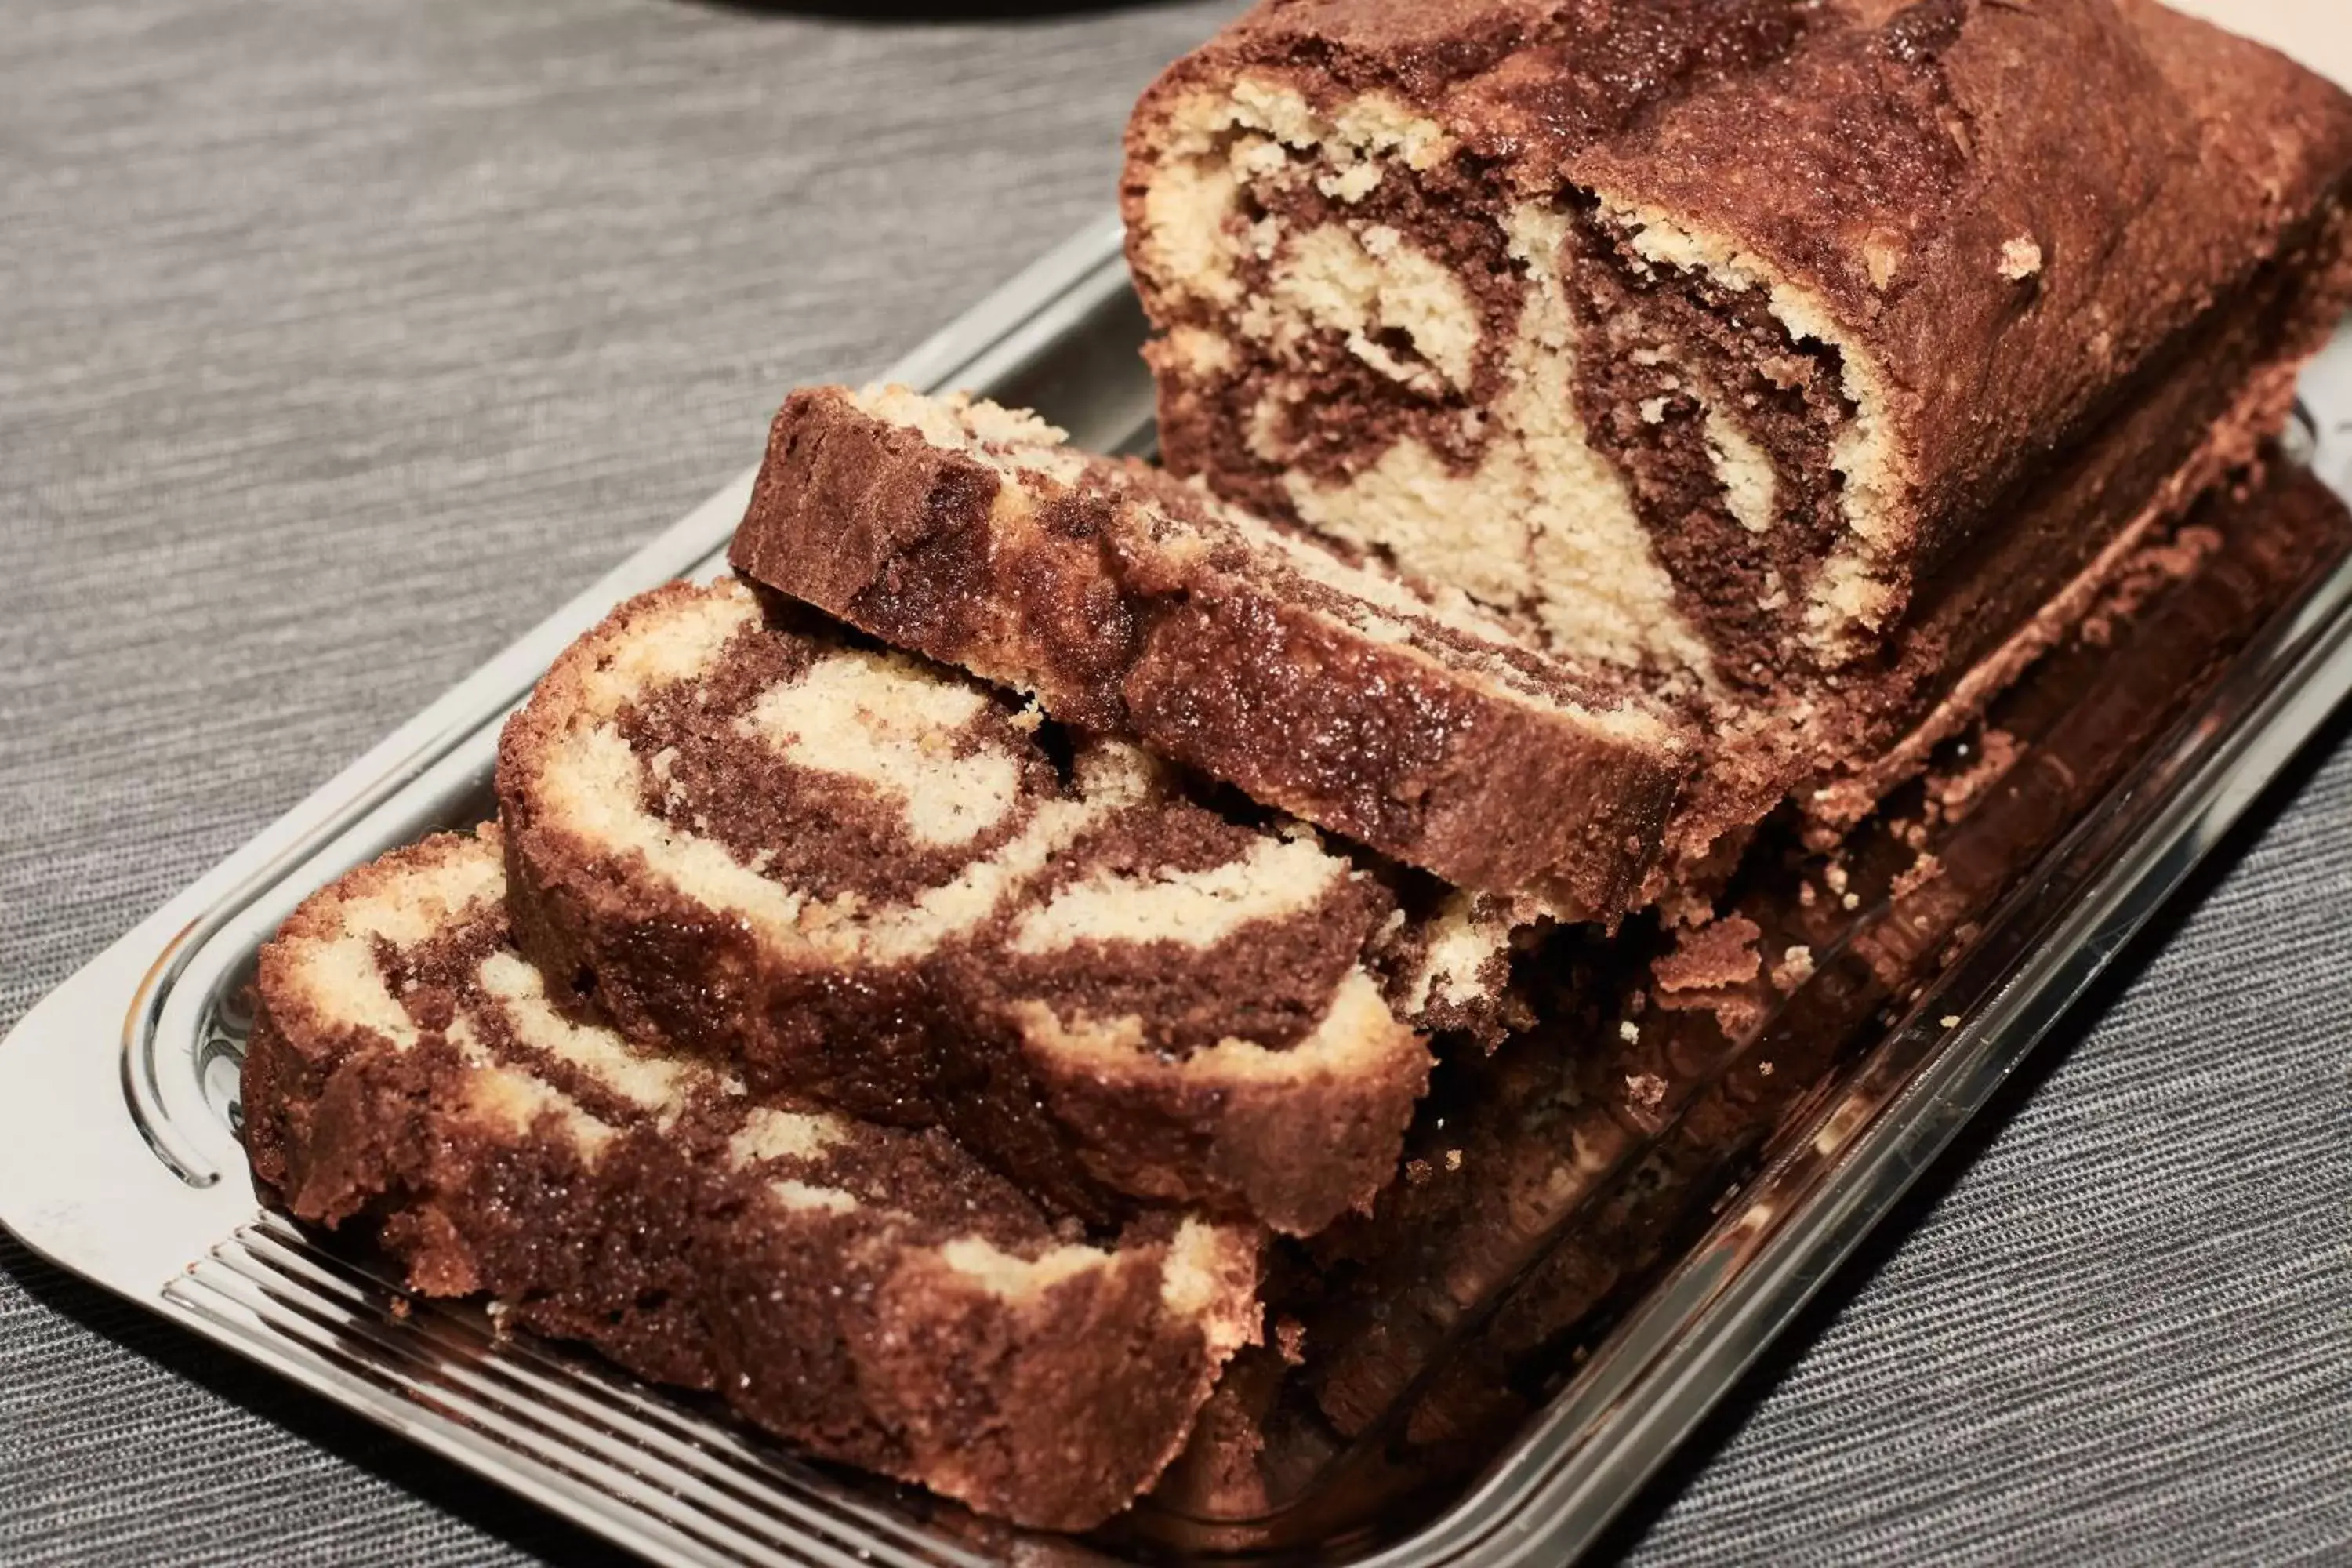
pixel 1544 414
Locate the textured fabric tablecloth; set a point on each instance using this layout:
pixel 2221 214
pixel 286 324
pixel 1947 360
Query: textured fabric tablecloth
pixel 340 343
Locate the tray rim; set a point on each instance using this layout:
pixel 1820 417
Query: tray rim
pixel 1525 1503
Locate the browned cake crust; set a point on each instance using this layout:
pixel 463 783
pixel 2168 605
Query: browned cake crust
pixel 1136 606
pixel 1734 341
pixel 1521 1211
pixel 862 877
pixel 872 1294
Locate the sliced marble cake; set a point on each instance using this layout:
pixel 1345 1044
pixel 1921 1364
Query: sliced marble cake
pixel 856 875
pixel 842 1283
pixel 1313 679
pixel 1821 358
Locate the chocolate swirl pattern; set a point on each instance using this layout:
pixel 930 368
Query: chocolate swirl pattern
pixel 1313 679
pixel 850 874
pixel 1789 359
pixel 837 1281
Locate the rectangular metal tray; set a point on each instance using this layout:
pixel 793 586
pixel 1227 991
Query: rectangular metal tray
pixel 119 1158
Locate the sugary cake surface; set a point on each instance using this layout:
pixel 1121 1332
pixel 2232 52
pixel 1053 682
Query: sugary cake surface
pixel 1313 679
pixel 1732 340
pixel 857 875
pixel 837 1281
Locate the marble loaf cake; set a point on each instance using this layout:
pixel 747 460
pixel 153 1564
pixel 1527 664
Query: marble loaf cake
pixel 1133 605
pixel 1811 359
pixel 869 1292
pixel 849 873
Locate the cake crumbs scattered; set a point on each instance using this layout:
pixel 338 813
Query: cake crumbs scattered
pixel 1645 1090
pixel 1714 955
pixel 1796 967
pixel 1951 1020
pixel 1454 1158
pixel 1290 1339
pixel 1629 1031
pixel 1996 752
pixel 1850 901
pixel 2020 258
pixel 1922 871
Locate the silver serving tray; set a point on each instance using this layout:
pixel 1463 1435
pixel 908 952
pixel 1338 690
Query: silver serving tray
pixel 119 1158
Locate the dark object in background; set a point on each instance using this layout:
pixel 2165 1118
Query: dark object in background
pixel 899 12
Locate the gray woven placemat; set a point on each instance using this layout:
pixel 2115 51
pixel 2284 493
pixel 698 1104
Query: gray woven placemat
pixel 338 344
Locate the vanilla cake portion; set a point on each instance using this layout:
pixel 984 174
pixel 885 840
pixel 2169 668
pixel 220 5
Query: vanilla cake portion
pixel 1314 679
pixel 850 873
pixel 1735 341
pixel 839 1282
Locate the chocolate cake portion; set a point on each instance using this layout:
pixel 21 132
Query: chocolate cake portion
pixel 872 1294
pixel 1730 341
pixel 1314 680
pixel 845 872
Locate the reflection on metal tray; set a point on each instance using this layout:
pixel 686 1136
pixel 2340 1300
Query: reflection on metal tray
pixel 1601 1226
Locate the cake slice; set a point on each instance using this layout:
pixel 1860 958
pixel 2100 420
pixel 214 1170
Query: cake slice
pixel 1131 605
pixel 1806 359
pixel 870 1293
pixel 850 873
